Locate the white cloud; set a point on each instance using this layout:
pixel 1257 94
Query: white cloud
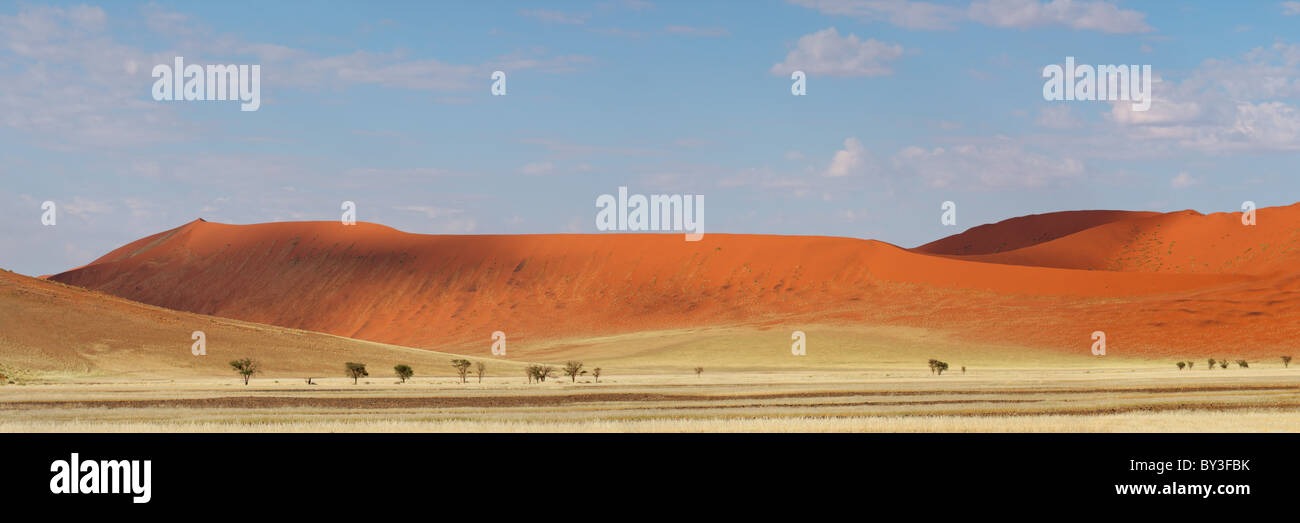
pixel 1075 14
pixel 554 17
pixel 999 165
pixel 853 159
pixel 1183 181
pixel 825 52
pixel 1094 15
pixel 902 13
pixel 83 207
pixel 1291 8
pixel 1223 105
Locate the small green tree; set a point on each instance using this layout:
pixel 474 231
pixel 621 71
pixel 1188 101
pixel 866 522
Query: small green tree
pixel 480 368
pixel 404 372
pixel 246 368
pixel 1286 361
pixel 1181 365
pixel 1243 364
pixel 1223 364
pixel 355 370
pixel 941 366
pixel 572 369
pixel 1211 362
pixel 462 368
pixel 595 373
pixel 1190 364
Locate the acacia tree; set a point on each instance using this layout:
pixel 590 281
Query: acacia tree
pixel 698 371
pixel 541 372
pixel 1181 365
pixel 246 368
pixel 1223 364
pixel 1286 361
pixel 1211 362
pixel 1190 364
pixel 355 370
pixel 480 368
pixel 595 373
pixel 572 369
pixel 1243 364
pixel 462 368
pixel 404 372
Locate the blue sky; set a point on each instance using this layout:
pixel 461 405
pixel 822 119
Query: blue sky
pixel 388 105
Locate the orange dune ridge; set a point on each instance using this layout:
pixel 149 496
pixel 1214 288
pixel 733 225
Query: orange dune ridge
pixel 1179 242
pixel 376 283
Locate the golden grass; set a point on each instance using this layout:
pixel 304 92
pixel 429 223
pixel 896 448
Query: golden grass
pixel 994 400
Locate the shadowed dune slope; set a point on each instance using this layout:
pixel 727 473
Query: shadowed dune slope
pixel 372 282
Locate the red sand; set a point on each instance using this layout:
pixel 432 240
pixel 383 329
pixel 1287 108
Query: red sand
pixel 1180 283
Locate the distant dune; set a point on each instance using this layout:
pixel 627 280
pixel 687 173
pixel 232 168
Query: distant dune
pixel 1158 284
pixel 1025 231
pixel 1183 242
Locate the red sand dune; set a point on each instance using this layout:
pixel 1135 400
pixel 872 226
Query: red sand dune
pixel 1180 242
pixel 373 282
pixel 1024 231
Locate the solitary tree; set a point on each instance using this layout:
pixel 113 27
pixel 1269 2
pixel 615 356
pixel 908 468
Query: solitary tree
pixel 595 373
pixel 480 368
pixel 1243 364
pixel 530 372
pixel 246 368
pixel 355 370
pixel 941 366
pixel 572 369
pixel 1211 362
pixel 462 368
pixel 404 372
pixel 1181 365
pixel 1286 361
pixel 699 371
pixel 1190 364
pixel 1223 364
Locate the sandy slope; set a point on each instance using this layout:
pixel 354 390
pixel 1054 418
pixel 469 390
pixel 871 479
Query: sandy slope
pixel 50 330
pixel 373 282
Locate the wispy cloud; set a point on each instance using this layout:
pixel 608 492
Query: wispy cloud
pixel 825 52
